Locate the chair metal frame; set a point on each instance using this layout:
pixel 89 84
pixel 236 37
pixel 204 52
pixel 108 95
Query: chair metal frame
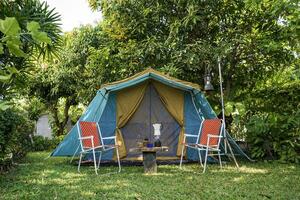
pixel 200 147
pixel 101 148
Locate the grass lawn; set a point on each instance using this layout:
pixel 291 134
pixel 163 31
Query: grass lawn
pixel 55 178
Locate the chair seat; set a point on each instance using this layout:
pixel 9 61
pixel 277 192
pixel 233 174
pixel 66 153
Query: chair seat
pixel 102 147
pixel 211 148
pixel 199 146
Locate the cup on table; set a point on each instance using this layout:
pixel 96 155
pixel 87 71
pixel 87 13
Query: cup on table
pixel 150 145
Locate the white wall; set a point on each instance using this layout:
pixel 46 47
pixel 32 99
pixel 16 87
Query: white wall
pixel 43 127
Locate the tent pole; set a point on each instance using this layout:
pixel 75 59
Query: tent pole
pixel 226 143
pixel 223 108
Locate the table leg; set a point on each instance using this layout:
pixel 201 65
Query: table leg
pixel 149 161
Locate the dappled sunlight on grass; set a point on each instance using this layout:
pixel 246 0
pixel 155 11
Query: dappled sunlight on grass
pixel 88 194
pixel 251 170
pixel 242 169
pixel 61 181
pixel 238 179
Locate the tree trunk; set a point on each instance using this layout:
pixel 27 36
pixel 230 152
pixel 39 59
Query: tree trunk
pixel 56 128
pixel 66 112
pixel 60 124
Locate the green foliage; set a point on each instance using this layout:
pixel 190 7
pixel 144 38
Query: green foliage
pixel 56 87
pixel 269 117
pixel 61 84
pixel 4 105
pixel 37 16
pixel 37 35
pixel 12 41
pixel 41 143
pixel 236 116
pixel 57 178
pixel 28 29
pixel 12 35
pixel 34 108
pixel 14 135
pixel 10 26
pixel 185 38
pixel 275 136
pixel 75 112
pixel 1 49
pixel 11 30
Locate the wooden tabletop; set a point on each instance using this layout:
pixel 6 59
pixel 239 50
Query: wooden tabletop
pixel 149 149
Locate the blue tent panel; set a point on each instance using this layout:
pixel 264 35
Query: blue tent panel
pixel 108 123
pixel 191 123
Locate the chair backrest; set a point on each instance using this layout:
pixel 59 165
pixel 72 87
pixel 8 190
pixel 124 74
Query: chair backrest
pixel 89 129
pixel 211 127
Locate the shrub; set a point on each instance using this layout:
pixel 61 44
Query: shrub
pixel 276 136
pixel 41 143
pixel 14 136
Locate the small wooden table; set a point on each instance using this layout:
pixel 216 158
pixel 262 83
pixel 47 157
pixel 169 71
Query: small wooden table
pixel 149 157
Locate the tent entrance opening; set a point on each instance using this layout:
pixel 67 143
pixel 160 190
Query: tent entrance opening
pixel 151 110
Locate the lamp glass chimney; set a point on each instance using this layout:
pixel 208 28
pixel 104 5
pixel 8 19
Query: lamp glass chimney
pixel 207 83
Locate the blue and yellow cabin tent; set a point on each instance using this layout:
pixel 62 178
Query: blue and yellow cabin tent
pixel 129 107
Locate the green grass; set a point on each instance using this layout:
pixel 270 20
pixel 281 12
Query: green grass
pixel 55 178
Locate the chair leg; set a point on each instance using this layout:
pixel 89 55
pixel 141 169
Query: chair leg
pixel 205 161
pixel 181 157
pixel 95 165
pixel 99 159
pixel 220 161
pixel 200 157
pixel 118 157
pixel 74 154
pixel 78 168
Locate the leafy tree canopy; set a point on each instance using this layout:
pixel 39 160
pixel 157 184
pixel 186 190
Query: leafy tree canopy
pixel 184 38
pixel 28 29
pixel 61 84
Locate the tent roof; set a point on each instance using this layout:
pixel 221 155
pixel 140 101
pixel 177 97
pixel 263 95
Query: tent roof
pixel 150 73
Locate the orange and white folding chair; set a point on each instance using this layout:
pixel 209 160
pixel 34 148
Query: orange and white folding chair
pixel 91 140
pixel 208 140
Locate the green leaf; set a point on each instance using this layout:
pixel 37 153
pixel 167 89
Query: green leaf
pixel 14 39
pixel 9 26
pixel 5 78
pixel 228 108
pixel 12 70
pixel 41 37
pixel 4 105
pixel 33 26
pixel 15 49
pixel 13 43
pixel 1 49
